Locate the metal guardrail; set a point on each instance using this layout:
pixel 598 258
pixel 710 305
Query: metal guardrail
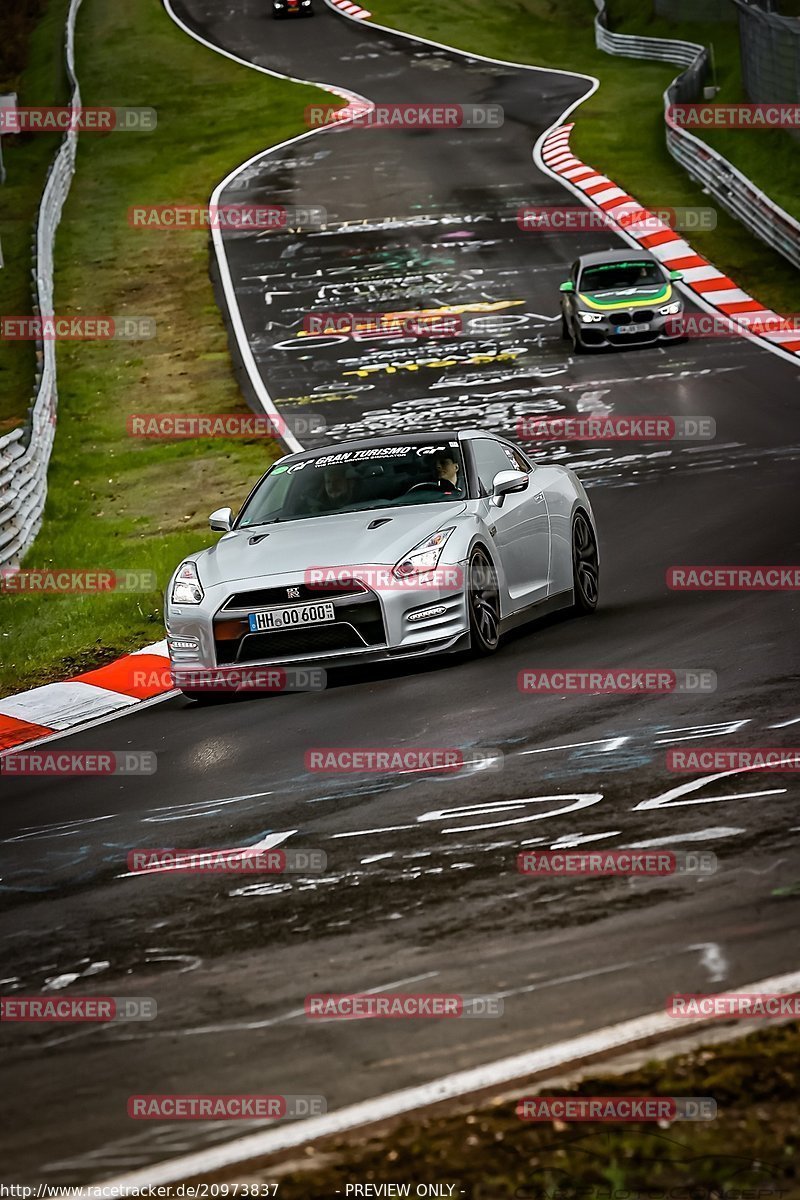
pixel 732 190
pixel 25 452
pixel 629 46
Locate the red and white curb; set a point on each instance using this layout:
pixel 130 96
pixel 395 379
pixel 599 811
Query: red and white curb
pixel 352 10
pixel 105 692
pixel 711 289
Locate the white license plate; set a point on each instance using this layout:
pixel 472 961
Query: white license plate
pixel 632 328
pixel 291 617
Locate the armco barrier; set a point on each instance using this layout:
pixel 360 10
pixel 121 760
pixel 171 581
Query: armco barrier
pixel 732 190
pixel 25 452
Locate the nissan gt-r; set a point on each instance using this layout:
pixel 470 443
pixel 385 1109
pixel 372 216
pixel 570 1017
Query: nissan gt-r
pixel 381 549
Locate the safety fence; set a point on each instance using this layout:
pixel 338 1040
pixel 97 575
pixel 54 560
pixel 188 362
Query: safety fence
pixel 25 452
pixel 732 190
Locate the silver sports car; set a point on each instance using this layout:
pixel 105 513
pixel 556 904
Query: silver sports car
pixel 381 549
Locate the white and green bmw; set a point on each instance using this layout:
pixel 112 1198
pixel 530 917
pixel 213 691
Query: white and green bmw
pixel 620 298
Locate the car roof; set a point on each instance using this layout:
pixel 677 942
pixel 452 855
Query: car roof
pixel 419 438
pixel 612 256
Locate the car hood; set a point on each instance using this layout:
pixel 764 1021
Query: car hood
pixel 342 540
pixel 626 297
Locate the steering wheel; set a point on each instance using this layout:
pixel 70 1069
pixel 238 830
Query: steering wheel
pixel 426 485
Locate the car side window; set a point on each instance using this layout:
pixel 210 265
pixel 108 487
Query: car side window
pixel 518 460
pixel 574 273
pixel 490 457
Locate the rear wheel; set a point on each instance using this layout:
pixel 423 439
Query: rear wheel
pixel 484 604
pixel 585 565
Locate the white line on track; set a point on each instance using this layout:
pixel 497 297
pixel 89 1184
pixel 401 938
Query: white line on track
pixel 569 1053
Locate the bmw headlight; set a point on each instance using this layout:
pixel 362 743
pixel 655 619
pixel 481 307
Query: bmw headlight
pixel 669 310
pixel 423 557
pixel 588 317
pixel 186 589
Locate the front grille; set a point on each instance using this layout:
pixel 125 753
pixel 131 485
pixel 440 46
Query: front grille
pixel 317 639
pixel 263 597
pixel 358 626
pixel 632 318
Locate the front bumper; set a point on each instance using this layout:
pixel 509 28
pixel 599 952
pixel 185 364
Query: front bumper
pixel 613 331
pixel 374 624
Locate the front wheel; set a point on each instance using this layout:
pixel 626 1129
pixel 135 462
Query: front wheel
pixel 585 565
pixel 484 604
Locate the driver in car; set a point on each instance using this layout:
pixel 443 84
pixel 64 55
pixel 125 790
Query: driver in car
pixel 446 471
pixel 338 489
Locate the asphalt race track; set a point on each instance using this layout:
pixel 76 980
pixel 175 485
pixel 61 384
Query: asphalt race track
pixel 421 891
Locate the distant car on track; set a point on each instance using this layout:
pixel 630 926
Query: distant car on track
pixel 620 298
pixel 382 549
pixel 292 8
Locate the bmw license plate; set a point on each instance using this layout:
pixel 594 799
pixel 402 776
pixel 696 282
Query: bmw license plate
pixel 632 328
pixel 291 617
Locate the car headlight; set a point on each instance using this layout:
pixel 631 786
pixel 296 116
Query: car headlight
pixel 422 557
pixel 587 317
pixel 669 310
pixel 186 589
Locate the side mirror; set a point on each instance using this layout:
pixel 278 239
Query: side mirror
pixel 569 286
pixel 508 481
pixel 221 520
pixel 676 276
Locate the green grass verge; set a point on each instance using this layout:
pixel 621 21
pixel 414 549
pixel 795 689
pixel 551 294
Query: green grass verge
pixel 115 502
pixel 751 1151
pixel 620 130
pixel 771 158
pixel 27 158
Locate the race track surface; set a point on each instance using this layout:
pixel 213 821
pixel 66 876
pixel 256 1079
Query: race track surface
pixel 421 891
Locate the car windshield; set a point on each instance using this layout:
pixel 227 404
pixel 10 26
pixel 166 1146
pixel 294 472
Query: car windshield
pixel 614 277
pixel 353 480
